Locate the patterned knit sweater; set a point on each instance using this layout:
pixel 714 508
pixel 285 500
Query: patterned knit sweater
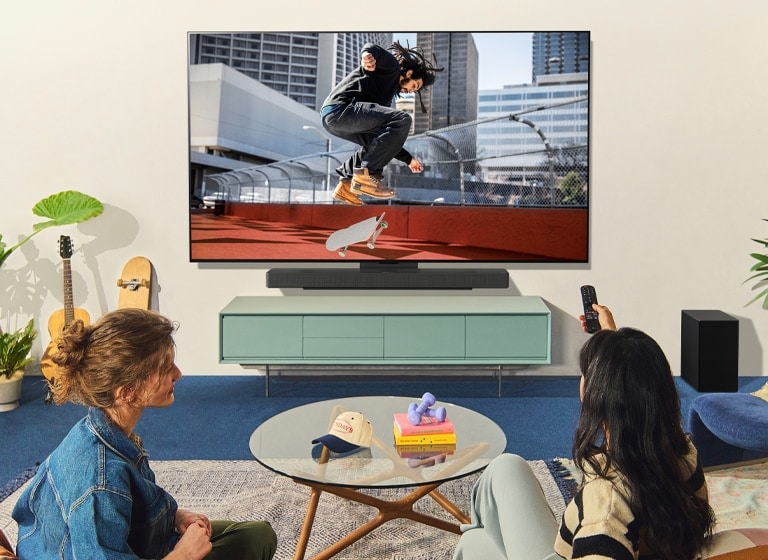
pixel 598 523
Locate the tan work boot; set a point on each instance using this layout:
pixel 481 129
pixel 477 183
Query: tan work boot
pixel 343 192
pixel 372 185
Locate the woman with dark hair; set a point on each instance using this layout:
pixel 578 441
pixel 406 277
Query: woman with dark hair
pixel 643 494
pixel 95 496
pixel 359 110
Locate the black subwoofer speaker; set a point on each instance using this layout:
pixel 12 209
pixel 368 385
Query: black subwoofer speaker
pixel 709 358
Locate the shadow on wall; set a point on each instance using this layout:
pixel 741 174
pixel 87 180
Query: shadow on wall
pixel 567 337
pixel 33 275
pixel 750 349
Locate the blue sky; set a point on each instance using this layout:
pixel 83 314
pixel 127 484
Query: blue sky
pixel 504 58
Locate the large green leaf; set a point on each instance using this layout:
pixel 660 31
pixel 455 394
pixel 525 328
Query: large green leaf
pixel 66 207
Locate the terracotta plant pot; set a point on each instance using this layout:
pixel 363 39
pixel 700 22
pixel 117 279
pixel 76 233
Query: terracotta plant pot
pixel 10 391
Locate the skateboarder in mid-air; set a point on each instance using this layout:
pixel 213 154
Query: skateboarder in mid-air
pixel 359 110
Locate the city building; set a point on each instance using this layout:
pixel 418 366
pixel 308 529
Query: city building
pixel 561 52
pixel 453 97
pixel 529 132
pixel 301 66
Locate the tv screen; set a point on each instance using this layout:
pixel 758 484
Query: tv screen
pixel 500 142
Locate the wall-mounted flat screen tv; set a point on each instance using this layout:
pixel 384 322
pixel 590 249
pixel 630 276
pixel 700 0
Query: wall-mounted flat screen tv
pixel 501 138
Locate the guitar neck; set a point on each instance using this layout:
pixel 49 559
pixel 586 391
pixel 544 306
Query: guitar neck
pixel 69 306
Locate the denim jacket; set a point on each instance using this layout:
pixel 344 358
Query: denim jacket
pixel 95 497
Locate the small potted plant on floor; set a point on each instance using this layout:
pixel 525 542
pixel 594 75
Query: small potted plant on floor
pixel 15 350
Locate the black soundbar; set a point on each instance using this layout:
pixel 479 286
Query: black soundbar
pixel 365 278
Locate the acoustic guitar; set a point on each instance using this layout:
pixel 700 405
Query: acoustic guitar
pixel 60 319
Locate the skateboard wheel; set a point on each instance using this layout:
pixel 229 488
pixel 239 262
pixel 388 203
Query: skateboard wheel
pixel 371 245
pixel 342 253
pixel 384 225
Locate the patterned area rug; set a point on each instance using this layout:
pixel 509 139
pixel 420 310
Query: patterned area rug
pixel 737 493
pixel 242 490
pixel 739 497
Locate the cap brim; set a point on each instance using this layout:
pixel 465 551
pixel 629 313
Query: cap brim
pixel 335 444
pixel 359 453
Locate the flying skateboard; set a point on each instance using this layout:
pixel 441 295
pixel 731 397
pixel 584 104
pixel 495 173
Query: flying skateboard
pixel 135 283
pixel 366 231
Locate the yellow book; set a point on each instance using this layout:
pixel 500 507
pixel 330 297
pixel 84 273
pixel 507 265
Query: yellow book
pixel 422 451
pixel 424 439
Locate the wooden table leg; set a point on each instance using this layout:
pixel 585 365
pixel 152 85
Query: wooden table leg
pixel 388 510
pixel 306 528
pixel 449 506
pixel 309 518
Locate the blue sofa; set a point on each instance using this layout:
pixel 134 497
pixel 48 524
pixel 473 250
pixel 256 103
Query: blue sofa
pixel 729 427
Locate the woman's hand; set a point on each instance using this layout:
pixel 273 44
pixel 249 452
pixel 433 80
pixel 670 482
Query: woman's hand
pixel 368 62
pixel 186 519
pixel 195 543
pixel 604 316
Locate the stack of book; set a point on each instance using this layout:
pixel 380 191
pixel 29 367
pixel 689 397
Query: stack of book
pixel 428 432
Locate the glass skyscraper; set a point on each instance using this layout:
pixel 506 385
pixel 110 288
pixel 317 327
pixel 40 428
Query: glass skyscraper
pixel 453 97
pixel 561 52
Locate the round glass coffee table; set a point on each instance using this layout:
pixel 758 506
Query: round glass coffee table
pixel 283 445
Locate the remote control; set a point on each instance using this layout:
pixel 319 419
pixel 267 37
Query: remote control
pixel 588 297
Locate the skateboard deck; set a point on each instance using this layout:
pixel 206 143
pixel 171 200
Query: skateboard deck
pixel 135 283
pixel 368 230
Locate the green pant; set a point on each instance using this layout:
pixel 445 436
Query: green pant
pixel 244 540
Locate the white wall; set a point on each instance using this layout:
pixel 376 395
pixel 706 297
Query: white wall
pixel 93 98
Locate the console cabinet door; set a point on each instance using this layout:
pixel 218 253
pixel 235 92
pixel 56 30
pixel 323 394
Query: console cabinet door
pixel 507 336
pixel 261 336
pixel 424 337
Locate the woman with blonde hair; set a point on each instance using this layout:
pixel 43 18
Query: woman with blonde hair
pixel 95 495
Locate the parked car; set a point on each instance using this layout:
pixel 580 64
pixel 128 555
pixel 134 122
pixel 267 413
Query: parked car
pixel 209 200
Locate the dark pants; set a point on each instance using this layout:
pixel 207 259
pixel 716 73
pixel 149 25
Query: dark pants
pixel 379 131
pixel 245 540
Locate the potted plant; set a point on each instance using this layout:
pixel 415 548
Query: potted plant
pixel 760 270
pixel 63 208
pixel 15 348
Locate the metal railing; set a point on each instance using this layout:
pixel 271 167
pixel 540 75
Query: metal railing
pixel 535 157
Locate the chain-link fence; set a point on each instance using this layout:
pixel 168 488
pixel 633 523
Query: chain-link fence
pixel 536 157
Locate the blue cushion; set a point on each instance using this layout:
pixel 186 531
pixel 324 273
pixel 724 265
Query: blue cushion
pixel 729 427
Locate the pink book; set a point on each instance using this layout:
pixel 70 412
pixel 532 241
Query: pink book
pixel 428 425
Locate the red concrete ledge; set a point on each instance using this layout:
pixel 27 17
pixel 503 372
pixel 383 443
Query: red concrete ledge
pixel 557 234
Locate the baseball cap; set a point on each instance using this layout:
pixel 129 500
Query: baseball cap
pixel 349 431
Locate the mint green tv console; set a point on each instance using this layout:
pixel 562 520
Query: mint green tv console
pixel 395 330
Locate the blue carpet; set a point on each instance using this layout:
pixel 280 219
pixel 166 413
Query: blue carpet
pixel 213 416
